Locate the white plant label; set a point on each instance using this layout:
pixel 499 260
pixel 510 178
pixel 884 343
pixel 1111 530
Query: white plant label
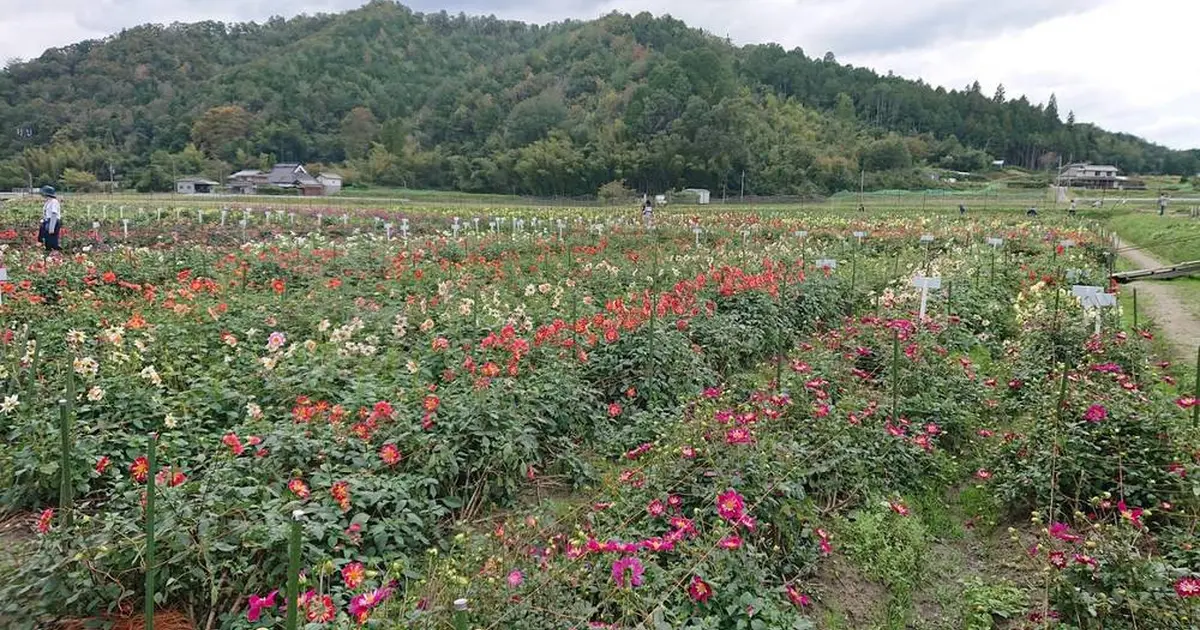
pixel 925 284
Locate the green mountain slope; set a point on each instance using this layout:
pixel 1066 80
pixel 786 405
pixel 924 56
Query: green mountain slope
pixel 480 104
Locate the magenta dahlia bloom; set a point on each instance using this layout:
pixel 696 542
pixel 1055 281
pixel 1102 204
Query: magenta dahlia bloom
pixel 628 570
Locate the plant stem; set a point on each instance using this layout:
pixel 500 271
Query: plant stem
pixel 150 568
pixel 65 490
pixel 293 576
pixel 895 374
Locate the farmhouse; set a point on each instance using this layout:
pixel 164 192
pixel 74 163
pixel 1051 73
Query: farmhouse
pixel 286 176
pixel 195 186
pixel 1098 177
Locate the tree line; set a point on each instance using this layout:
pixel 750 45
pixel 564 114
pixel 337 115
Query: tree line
pixel 388 96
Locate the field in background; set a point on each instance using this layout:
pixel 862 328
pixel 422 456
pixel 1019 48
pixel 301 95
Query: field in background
pixel 1172 238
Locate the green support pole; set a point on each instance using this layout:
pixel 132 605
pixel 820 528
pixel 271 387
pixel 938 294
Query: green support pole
pixel 646 385
pixel 895 375
pixel 293 576
pixel 150 560
pixel 1135 310
pixel 65 489
pixel 1058 418
pixel 949 298
pixel 779 333
pixel 1196 392
pixel 853 278
pixel 461 622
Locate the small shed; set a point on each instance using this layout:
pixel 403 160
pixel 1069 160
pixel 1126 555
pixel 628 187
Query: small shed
pixel 195 186
pixel 331 181
pixel 702 195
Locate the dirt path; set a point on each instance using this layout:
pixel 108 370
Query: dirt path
pixel 1166 307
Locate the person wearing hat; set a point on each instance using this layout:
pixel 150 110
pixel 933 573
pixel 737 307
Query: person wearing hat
pixel 51 220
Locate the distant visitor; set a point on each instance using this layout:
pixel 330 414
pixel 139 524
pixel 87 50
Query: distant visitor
pixel 51 225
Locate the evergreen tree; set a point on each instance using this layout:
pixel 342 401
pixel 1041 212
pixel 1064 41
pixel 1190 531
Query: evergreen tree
pixel 1052 109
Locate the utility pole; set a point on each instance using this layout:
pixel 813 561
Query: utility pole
pixel 862 187
pixel 743 195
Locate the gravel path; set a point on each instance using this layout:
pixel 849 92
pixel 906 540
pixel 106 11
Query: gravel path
pixel 1166 307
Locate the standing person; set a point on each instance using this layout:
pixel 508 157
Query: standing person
pixel 1071 210
pixel 648 212
pixel 1162 204
pixel 962 210
pixel 51 227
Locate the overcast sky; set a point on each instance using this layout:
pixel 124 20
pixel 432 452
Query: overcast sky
pixel 1127 65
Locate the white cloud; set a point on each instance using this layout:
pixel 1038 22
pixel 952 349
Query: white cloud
pixel 1127 65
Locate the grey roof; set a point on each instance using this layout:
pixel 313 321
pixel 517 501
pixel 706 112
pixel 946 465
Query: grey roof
pixel 196 180
pixel 329 176
pixel 289 175
pixel 246 173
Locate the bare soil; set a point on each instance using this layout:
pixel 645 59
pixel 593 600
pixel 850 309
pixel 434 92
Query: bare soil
pixel 1167 306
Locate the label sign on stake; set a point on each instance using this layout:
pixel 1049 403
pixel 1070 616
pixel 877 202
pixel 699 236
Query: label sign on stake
pixel 859 235
pixel 1099 300
pixel 926 238
pixel 925 284
pixel 826 263
pixel 995 242
pixel 1096 302
pixel 1082 290
pixel 3 278
pixel 1067 243
pixel 801 233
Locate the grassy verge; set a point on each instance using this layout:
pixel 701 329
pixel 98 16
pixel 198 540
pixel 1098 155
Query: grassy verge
pixel 1168 238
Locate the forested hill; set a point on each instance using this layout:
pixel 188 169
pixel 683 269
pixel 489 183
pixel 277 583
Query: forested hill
pixel 395 97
